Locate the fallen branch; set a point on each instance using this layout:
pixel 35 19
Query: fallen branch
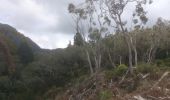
pixel 152 97
pixel 162 77
pixel 164 98
pixel 145 76
pixel 123 78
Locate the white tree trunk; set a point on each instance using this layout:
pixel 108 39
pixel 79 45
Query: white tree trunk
pixel 89 61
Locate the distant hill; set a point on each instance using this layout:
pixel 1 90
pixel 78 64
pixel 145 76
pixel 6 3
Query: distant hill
pixel 15 48
pixel 12 36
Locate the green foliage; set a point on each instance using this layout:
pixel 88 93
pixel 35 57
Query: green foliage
pixel 162 53
pixel 3 67
pixel 47 69
pixel 163 64
pixel 25 53
pixel 94 36
pixel 9 88
pixel 52 68
pixel 147 68
pixel 105 95
pixel 11 45
pixel 121 70
pixel 160 63
pixel 78 39
pixel 117 72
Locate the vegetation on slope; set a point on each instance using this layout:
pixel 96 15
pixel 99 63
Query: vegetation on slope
pixel 129 64
pixel 51 73
pixel 109 85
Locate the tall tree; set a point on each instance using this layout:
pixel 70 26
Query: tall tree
pixel 78 16
pixel 116 8
pixel 107 14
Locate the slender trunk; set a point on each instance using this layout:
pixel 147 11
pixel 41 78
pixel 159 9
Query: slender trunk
pixel 133 43
pixel 97 54
pixel 128 44
pixel 136 57
pixel 100 58
pixel 153 54
pixel 130 58
pixel 167 53
pixel 96 62
pixel 89 61
pixel 120 60
pixel 110 58
pixel 149 54
pixel 86 51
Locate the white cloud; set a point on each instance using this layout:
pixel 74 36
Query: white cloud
pixel 48 23
pixel 52 40
pixel 27 15
pixel 159 8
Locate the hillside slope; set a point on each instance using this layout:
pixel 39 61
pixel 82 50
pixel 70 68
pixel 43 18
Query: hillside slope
pixel 14 47
pixel 14 37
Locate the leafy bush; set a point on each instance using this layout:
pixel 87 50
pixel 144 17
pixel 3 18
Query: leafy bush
pixel 147 68
pixel 160 63
pixel 163 62
pixel 114 73
pixel 120 70
pixel 10 88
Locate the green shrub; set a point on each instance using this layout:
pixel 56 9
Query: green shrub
pixel 120 70
pixel 105 95
pixel 160 63
pixel 147 68
pixel 163 62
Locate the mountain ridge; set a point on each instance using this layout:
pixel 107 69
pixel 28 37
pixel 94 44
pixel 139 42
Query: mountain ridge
pixel 12 35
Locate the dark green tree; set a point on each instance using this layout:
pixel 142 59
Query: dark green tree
pixel 78 39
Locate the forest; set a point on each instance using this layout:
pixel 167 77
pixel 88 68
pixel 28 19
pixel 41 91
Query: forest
pixel 111 58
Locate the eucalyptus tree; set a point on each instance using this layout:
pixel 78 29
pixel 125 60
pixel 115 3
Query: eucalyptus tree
pixel 116 9
pixel 89 25
pixel 79 15
pixel 161 38
pixel 107 15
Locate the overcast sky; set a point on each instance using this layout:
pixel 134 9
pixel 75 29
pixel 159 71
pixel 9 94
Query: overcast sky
pixel 48 23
